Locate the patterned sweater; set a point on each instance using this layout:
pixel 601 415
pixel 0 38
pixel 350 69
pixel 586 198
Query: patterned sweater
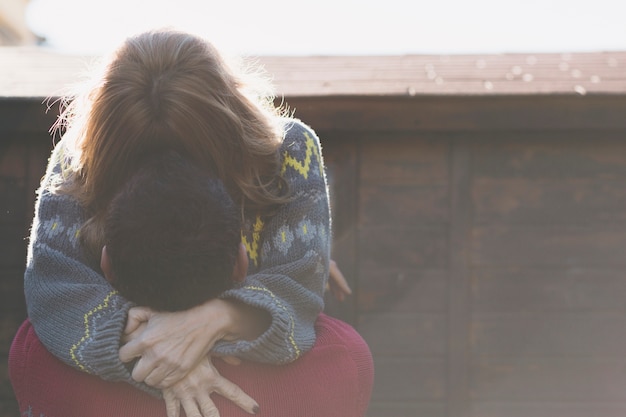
pixel 79 317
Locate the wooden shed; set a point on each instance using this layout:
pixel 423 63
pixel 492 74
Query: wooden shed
pixel 479 209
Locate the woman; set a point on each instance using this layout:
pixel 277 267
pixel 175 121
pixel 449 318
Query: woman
pixel 171 90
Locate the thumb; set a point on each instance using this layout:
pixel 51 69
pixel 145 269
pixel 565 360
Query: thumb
pixel 231 360
pixel 136 316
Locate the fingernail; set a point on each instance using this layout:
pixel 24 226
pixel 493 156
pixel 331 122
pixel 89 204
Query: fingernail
pixel 256 409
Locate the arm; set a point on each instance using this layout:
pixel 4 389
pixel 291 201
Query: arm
pixel 289 256
pixel 75 312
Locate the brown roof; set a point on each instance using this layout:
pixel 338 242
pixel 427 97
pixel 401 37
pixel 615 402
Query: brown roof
pixel 31 71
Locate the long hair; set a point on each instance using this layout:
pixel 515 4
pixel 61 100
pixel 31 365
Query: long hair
pixel 172 90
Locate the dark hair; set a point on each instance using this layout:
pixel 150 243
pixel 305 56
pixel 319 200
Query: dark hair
pixel 172 234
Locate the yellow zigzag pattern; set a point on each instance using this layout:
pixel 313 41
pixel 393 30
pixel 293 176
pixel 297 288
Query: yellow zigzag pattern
pixel 253 247
pixel 303 167
pixel 87 316
pixel 292 323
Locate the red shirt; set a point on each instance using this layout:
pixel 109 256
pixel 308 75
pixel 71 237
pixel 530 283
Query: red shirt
pixel 334 379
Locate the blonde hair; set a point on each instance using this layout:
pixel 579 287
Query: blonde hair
pixel 166 89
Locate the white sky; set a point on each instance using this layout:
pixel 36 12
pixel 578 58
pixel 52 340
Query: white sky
pixel 332 27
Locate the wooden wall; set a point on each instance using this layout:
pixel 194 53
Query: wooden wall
pixel 485 240
pixel 24 149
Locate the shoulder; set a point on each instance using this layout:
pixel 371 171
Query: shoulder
pixel 298 133
pixel 300 152
pixel 300 143
pixel 61 165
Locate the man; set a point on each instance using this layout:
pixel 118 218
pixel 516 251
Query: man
pixel 172 241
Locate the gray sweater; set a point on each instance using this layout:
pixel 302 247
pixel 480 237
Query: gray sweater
pixel 80 318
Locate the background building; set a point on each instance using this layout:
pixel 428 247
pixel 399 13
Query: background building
pixel 13 27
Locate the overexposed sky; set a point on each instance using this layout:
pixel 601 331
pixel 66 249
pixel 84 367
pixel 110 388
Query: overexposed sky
pixel 342 27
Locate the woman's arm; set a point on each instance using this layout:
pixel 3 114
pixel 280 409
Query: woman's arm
pixel 289 256
pixel 77 315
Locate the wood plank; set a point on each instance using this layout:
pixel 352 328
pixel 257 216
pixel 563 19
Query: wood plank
pixel 409 379
pixel 577 379
pixel 459 281
pixel 507 66
pixel 553 201
pixel 430 113
pixel 399 205
pixel 466 114
pixel 13 158
pixel 12 290
pixel 8 404
pixel 8 407
pixel 423 334
pixel 403 205
pixel 344 254
pixel 565 155
pixel 504 83
pixel 548 334
pixel 526 84
pixel 39 150
pixel 13 173
pixel 403 409
pixel 35 71
pixel 548 409
pixel 402 290
pixel 24 115
pixel 549 245
pixel 9 323
pixel 402 248
pixel 404 159
pixel 13 229
pixel 340 158
pixel 557 289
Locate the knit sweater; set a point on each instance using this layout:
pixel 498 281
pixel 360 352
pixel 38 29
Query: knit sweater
pixel 80 318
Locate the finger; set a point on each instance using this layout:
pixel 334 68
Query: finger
pixel 146 372
pixel 232 392
pixel 129 337
pixel 338 279
pixel 207 406
pixel 338 294
pixel 130 351
pixel 172 405
pixel 136 316
pixel 344 287
pixel 192 410
pixel 231 360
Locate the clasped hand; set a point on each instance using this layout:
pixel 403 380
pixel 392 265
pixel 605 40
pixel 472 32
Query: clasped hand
pixel 173 355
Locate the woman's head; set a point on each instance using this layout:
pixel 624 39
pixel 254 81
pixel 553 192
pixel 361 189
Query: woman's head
pixel 172 90
pixel 169 89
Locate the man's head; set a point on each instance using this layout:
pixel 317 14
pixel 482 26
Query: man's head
pixel 172 236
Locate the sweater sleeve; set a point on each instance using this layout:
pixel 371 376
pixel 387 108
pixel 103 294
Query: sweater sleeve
pixel 289 256
pixel 75 312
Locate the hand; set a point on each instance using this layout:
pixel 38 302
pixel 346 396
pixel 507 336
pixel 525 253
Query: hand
pixel 169 345
pixel 135 333
pixel 193 393
pixel 337 283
